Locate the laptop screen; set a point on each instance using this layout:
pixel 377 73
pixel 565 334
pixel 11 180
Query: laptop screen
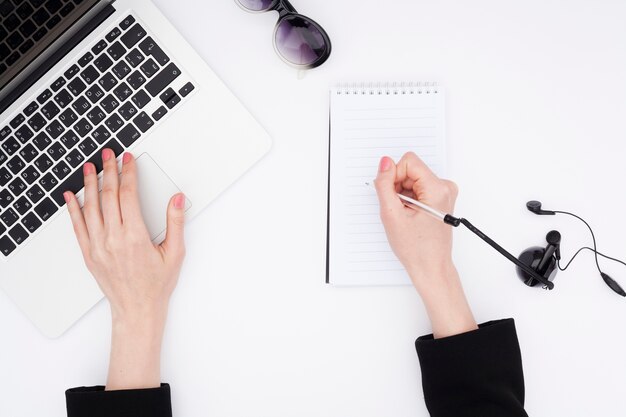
pixel 28 28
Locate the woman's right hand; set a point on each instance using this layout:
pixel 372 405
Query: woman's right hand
pixel 423 243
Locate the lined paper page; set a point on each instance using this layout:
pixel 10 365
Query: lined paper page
pixel 364 127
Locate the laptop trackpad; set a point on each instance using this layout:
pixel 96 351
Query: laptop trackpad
pixel 155 191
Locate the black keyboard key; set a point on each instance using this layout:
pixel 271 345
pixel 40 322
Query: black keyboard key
pixel 10 146
pixel 67 9
pixel 74 158
pixel 7 7
pixel 107 81
pixel 123 91
pixel 53 6
pixel 50 110
pixel 43 97
pixel 121 70
pixel 56 86
pixel 42 141
pixel 3 157
pixel 53 22
pixel 55 129
pixel 15 40
pixel 18 234
pixel 26 46
pixel 69 139
pixel 56 151
pixel 94 94
pixel 71 72
pixel 17 120
pixel 24 11
pixel 6 198
pixel 31 222
pixel 112 35
pixel 46 209
pixel 96 115
pixel 13 58
pixel 143 122
pixel 109 103
pixel 24 134
pixel 116 51
pixel 127 22
pixel 186 89
pixel 81 105
pixel 48 182
pixel 40 34
pixel 61 170
pixel 37 122
pixel 90 74
pixel 127 111
pixel 17 186
pixel 5 176
pixel 28 153
pixel 22 205
pixel 15 164
pixel 83 127
pixel 5 132
pixel 6 245
pixel 114 123
pixel 27 28
pixel 101 135
pixel 43 163
pixel 96 159
pixel 87 147
pixel 73 183
pixel 76 87
pixel 150 68
pixel 135 57
pixel 9 217
pixel 31 108
pixel 85 59
pixel 4 50
pixel 63 99
pixel 99 47
pixel 141 99
pixel 162 79
pixel 136 79
pixel 68 117
pixel 35 193
pixel 150 48
pixel 133 35
pixel 30 174
pixel 128 135
pixel 103 63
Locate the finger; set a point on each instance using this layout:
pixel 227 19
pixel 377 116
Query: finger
pixel 91 208
pixel 129 198
pixel 78 222
pixel 411 169
pixel 385 185
pixel 174 243
pixel 110 191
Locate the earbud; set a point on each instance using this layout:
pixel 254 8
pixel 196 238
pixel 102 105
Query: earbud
pixel 535 207
pixel 541 260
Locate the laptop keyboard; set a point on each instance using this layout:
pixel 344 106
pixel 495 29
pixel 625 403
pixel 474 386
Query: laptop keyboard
pixel 99 102
pixel 25 22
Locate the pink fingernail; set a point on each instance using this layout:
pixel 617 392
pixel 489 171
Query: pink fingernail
pixel 66 196
pixel 179 201
pixel 87 168
pixel 385 164
pixel 107 154
pixel 127 157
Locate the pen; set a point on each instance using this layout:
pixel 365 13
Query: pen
pixel 414 204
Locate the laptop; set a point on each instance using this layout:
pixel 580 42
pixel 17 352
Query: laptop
pixel 78 76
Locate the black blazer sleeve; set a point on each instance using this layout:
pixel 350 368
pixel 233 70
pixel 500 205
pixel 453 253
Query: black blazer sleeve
pixel 477 374
pixel 96 402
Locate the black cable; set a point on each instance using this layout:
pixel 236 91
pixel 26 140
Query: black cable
pixel 587 248
pixel 593 236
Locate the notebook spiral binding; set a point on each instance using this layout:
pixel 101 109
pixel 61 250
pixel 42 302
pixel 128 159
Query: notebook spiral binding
pixel 371 89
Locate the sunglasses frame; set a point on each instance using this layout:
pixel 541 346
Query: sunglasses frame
pixel 285 10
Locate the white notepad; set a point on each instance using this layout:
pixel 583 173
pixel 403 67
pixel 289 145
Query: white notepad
pixel 368 122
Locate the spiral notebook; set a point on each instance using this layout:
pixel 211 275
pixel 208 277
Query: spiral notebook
pixel 366 123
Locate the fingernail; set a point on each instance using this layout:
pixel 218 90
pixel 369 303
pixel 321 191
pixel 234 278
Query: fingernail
pixel 106 154
pixel 179 201
pixel 385 164
pixel 127 157
pixel 66 196
pixel 87 168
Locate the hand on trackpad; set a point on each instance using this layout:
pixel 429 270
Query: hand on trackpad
pixel 155 191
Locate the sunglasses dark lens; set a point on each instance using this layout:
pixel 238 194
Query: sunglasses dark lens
pixel 300 41
pixel 256 5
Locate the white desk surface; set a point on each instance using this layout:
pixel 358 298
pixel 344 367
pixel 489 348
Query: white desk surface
pixel 536 98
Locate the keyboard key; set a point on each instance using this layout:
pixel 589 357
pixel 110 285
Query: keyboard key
pixel 37 122
pixel 74 158
pixel 14 40
pixel 83 127
pixel 5 176
pixel 7 7
pixel 9 217
pixel 42 141
pixel 186 89
pixel 46 209
pixel 50 110
pixel 128 135
pixel 17 120
pixel 56 86
pixel 103 63
pixel 162 79
pixel 55 129
pixel 99 47
pixel 18 234
pixel 26 46
pixel 96 159
pixel 133 35
pixel 123 91
pixel 40 34
pixel 87 147
pixel 116 51
pixel 76 87
pixel 6 245
pixel 69 139
pixel 127 22
pixel 11 146
pixel 81 105
pixel 53 6
pixel 30 174
pixel 141 99
pixel 136 79
pixel 150 68
pixel 53 22
pixel 150 48
pixel 67 9
pixel 127 111
pixel 114 123
pixel 24 134
pixel 112 35
pixel 96 115
pixel 24 11
pixel 56 151
pixel 22 205
pixel 143 122
pixel 43 97
pixel 3 157
pixel 17 186
pixel 6 198
pixel 109 103
pixel 35 193
pixel 28 153
pixel 68 117
pixel 43 163
pixel 5 132
pixel 90 74
pixel 101 135
pixel 61 170
pixel 135 57
pixel 48 182
pixel 94 94
pixel 71 72
pixel 85 59
pixel 121 70
pixel 15 164
pixel 31 222
pixel 107 81
pixel 63 99
pixel 31 108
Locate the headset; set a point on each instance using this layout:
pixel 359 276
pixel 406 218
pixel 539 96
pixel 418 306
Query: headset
pixel 538 265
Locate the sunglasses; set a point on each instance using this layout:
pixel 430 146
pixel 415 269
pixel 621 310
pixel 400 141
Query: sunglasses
pixel 298 40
